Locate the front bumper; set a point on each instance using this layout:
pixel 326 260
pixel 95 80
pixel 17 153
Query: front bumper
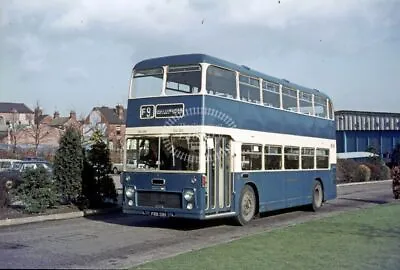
pixel 162 212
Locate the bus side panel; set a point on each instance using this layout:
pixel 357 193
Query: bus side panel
pixel 279 190
pixel 330 188
pixel 248 116
pixel 271 190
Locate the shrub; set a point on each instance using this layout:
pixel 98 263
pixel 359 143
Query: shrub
pixel 68 163
pixel 37 190
pixel 395 156
pixel 396 181
pixel 345 169
pixel 4 198
pixel 375 171
pixel 362 174
pixel 385 173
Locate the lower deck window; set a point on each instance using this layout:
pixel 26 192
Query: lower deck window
pixel 292 157
pixel 273 157
pixel 322 158
pixel 251 157
pixel 307 158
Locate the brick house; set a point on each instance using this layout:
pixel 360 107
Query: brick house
pixel 44 130
pixel 63 122
pixel 111 122
pixel 15 113
pixel 13 116
pixel 42 118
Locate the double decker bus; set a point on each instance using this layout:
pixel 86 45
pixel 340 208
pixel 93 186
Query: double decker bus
pixel 206 138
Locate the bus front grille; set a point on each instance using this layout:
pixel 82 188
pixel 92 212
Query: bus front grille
pixel 159 199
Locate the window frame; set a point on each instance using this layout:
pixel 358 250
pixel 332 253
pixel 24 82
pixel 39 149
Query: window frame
pixel 279 154
pixel 220 94
pixel 251 153
pixel 327 156
pixel 308 155
pixel 285 154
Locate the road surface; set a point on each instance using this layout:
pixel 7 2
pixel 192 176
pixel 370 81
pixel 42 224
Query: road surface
pixel 118 241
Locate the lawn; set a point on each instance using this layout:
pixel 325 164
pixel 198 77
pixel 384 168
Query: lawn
pixel 363 239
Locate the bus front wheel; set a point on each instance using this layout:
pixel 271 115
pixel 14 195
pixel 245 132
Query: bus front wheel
pixel 317 196
pixel 247 206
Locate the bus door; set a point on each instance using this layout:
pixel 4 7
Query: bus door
pixel 219 178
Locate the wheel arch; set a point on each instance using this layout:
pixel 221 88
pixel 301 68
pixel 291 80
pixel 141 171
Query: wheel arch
pixel 256 194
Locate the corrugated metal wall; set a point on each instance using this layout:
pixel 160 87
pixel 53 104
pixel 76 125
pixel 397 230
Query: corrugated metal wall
pixel 356 121
pixel 356 131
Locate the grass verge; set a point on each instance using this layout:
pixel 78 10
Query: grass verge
pixel 363 239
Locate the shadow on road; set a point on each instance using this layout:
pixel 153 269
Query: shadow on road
pixel 179 224
pixel 367 200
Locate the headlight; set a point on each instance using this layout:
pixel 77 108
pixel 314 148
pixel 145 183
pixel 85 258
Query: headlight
pixel 188 195
pixel 129 192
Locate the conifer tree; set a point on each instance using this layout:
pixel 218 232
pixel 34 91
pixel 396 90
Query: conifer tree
pixel 68 165
pixel 98 184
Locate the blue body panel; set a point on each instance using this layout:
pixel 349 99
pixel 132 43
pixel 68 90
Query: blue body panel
pixel 279 190
pixel 276 190
pixel 232 113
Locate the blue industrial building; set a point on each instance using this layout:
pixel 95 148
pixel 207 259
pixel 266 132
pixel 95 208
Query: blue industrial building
pixel 356 131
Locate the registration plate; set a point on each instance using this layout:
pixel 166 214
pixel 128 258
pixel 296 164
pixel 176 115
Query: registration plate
pixel 158 214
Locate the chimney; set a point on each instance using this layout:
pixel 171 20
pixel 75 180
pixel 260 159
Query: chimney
pixel 72 115
pixel 120 111
pixel 56 114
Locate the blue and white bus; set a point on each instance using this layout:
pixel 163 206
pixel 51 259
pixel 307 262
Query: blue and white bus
pixel 206 138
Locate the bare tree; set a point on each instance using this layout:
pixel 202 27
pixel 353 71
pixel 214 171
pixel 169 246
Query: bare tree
pixel 38 130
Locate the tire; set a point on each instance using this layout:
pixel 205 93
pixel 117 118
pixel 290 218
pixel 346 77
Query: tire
pixel 9 184
pixel 247 206
pixel 317 196
pixel 396 196
pixel 115 170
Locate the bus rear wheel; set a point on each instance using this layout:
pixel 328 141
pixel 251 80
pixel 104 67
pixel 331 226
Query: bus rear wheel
pixel 247 206
pixel 317 196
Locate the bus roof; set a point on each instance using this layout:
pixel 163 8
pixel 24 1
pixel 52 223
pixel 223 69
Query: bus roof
pixel 191 59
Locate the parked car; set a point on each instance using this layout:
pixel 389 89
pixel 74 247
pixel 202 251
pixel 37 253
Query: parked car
pixel 33 159
pixel 7 164
pixel 118 167
pixel 13 176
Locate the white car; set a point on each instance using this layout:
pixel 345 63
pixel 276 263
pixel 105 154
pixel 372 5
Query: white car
pixel 118 167
pixel 7 164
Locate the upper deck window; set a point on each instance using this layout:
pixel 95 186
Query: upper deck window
pixel 183 80
pixel 305 102
pixel 289 99
pixel 221 82
pixel 147 83
pixel 320 106
pixel 249 89
pixel 271 95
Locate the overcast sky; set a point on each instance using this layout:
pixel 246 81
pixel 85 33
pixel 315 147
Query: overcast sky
pixel 77 54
